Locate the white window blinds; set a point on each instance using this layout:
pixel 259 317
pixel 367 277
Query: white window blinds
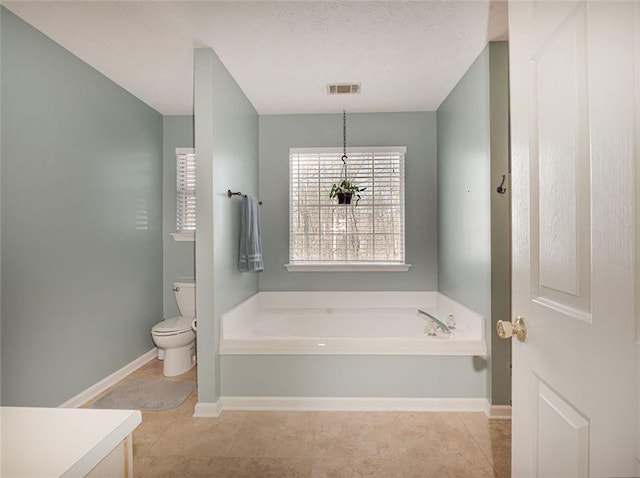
pixel 185 190
pixel 324 232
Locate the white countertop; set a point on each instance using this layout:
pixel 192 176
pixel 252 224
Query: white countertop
pixel 60 442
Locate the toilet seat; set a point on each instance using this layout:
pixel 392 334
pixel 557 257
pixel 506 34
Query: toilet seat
pixel 174 326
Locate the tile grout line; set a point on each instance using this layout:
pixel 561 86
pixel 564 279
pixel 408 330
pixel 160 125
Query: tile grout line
pixel 495 471
pixel 232 442
pixel 398 455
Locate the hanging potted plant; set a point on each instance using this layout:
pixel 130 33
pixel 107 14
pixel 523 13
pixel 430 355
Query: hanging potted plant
pixel 346 189
pixel 345 192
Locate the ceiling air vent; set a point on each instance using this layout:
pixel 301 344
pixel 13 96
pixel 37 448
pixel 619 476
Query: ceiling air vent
pixel 343 88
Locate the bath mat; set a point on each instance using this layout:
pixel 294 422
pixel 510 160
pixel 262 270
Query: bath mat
pixel 147 395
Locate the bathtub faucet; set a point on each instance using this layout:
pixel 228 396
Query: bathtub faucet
pixel 439 323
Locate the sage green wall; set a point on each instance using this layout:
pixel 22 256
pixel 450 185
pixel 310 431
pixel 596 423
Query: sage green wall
pixel 464 195
pixel 1 15
pixel 500 388
pixel 416 131
pixel 226 138
pixel 411 376
pixel 81 221
pixel 472 153
pixel 178 257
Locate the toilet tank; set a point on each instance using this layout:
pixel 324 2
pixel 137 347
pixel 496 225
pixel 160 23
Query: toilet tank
pixel 186 298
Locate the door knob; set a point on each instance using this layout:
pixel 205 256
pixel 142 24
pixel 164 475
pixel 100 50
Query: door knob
pixel 507 329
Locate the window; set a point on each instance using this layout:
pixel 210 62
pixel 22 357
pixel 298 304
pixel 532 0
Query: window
pixel 324 235
pixel 185 194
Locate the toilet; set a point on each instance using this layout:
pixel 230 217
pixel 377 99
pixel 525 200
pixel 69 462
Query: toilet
pixel 175 337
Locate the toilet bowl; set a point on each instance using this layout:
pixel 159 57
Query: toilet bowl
pixel 175 338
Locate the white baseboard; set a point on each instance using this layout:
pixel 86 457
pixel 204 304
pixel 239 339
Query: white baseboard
pixel 353 404
pixel 497 412
pixel 115 377
pixel 208 409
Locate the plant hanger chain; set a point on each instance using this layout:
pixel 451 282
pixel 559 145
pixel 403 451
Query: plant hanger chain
pixel 344 143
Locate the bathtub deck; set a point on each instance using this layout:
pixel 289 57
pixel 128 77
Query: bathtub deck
pixel 440 346
pixel 363 323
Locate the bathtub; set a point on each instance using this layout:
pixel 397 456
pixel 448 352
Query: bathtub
pixel 348 323
pixel 350 351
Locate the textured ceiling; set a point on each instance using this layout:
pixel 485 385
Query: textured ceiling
pixel 407 55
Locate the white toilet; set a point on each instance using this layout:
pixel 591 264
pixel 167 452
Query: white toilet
pixel 175 338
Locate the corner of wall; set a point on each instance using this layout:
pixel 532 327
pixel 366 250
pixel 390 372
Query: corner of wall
pixel 500 221
pixel 226 141
pixel 463 166
pixel 1 143
pixel 203 137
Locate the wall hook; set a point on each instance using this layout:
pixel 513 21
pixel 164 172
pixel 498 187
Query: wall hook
pixel 500 189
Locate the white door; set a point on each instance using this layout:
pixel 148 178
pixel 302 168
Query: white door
pixel 574 98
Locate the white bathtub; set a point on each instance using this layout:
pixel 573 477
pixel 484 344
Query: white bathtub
pixel 348 323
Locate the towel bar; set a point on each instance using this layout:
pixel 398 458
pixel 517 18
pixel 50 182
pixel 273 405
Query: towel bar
pixel 230 194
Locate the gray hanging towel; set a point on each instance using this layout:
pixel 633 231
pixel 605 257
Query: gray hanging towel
pixel 250 257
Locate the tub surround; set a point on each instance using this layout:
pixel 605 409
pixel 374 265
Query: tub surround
pixel 272 377
pixel 350 382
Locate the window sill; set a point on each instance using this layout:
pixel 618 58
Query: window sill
pixel 325 267
pixel 184 236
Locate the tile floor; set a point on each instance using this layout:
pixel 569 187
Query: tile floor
pixel 316 444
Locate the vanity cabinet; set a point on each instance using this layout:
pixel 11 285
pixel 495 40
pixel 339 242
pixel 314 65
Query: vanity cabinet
pixel 64 442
